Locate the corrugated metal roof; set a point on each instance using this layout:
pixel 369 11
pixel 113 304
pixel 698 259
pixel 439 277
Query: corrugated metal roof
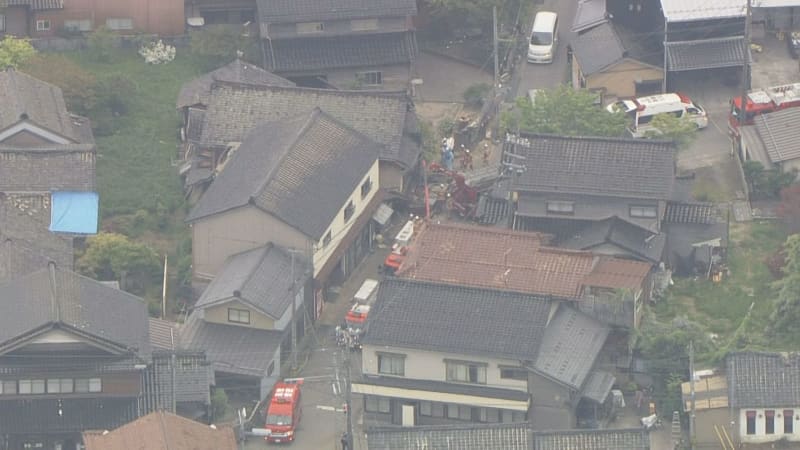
pixel 780 133
pixel 689 10
pixel 590 13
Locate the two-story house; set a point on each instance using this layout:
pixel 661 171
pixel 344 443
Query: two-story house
pixel 47 155
pixel 566 185
pixel 388 118
pixel 243 320
pixel 308 183
pixel 437 353
pixel 345 43
pixel 50 18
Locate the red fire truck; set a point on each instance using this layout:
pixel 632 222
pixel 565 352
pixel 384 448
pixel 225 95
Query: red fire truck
pixel 763 101
pixel 283 412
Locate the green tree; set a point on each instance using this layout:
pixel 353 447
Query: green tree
pixel 15 51
pixel 469 12
pixel 787 306
pixel 219 44
pixel 101 44
pixel 681 131
pixel 111 256
pixel 219 404
pixel 564 111
pixel 77 84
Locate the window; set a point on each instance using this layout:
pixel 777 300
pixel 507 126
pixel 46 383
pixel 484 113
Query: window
pixel 492 415
pixel 437 410
pixel 271 368
pixel 374 403
pixel 349 210
pixel 326 240
pixel 78 25
pixel 370 78
pixel 769 421
pixel 238 315
pixel 119 24
pixel 363 24
pixel 310 27
pixel 31 387
pixel 8 387
pixel 751 423
pixel 391 364
pixel 366 187
pixel 95 385
pixel 788 421
pixel 513 373
pixel 452 411
pixel 648 212
pixel 2 22
pixel 464 412
pixel 42 25
pixel 59 386
pixel 425 408
pixel 560 207
pixel 466 372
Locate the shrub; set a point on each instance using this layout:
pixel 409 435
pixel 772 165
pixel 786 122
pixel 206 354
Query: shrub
pixel 77 84
pixel 445 127
pixel 114 93
pixel 15 51
pixel 111 256
pixel 475 94
pixel 157 52
pixel 219 404
pixel 219 44
pixel 775 263
pixel 101 44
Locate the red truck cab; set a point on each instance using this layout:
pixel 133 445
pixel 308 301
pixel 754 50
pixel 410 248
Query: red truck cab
pixel 283 412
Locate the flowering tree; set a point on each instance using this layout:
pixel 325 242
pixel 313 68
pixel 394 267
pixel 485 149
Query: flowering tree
pixel 157 52
pixel 15 51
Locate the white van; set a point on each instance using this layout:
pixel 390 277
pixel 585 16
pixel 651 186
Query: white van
pixel 543 42
pixel 643 109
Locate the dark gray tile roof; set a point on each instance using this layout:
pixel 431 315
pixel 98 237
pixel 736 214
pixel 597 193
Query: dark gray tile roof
pixel 635 168
pixel 283 11
pixel 780 134
pixel 571 343
pixel 56 296
pixel 606 439
pixel 231 348
pixel 42 103
pixel 471 436
pixel 37 5
pixel 26 244
pixel 642 243
pixel 310 170
pixel 763 380
pixel 444 387
pixel 598 385
pixel 337 52
pixel 198 90
pixel 598 48
pixel 456 319
pixel 163 334
pixel 234 110
pixel 260 277
pixel 699 213
pixel 47 168
pixel 705 54
pixel 590 13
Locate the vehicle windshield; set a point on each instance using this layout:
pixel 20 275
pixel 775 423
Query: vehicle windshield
pixel 541 38
pixel 276 419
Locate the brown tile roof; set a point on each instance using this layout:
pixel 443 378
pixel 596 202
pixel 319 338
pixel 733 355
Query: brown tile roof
pixel 511 260
pixel 162 431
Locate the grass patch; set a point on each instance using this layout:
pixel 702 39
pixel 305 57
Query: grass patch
pixel 705 190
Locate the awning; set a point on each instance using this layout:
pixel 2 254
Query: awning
pixel 461 399
pixel 383 214
pixel 74 212
pixel 598 386
pixel 705 54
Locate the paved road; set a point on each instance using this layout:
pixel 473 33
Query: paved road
pixel 538 76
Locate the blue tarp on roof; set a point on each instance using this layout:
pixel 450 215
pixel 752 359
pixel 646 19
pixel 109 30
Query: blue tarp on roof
pixel 74 212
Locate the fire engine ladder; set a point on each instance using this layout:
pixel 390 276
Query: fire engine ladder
pixel 677 433
pixel 724 437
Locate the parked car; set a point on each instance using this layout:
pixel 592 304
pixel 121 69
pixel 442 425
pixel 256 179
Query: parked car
pixel 793 39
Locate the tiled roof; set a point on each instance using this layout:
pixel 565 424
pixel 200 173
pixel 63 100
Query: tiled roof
pixel 780 134
pixel 301 170
pixel 47 168
pixel 42 103
pixel 234 110
pixel 705 54
pixel 605 439
pixel 336 52
pixel 37 5
pixel 698 213
pixel 26 245
pixel 570 347
pixel 198 90
pixel 509 260
pixel 456 319
pixel 260 277
pixel 763 380
pixel 590 13
pixel 637 168
pixel 634 239
pixel 163 334
pixel 56 296
pixel 617 273
pixel 507 436
pixel 162 431
pixel 282 11
pixel 230 348
pixel 597 48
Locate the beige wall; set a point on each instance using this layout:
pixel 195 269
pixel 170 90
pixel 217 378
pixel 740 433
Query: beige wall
pixel 219 314
pixel 391 176
pixel 788 166
pixel 705 419
pixel 217 237
pixel 761 436
pixel 426 365
pixel 620 79
pixel 338 227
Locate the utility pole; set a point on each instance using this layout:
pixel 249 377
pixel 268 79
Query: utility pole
pixel 348 399
pixel 293 317
pixel 745 70
pixel 691 392
pixel 494 46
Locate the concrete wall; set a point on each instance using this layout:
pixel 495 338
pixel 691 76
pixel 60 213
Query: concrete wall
pixel 162 17
pixel 619 80
pixel 217 237
pixel 337 27
pixel 760 435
